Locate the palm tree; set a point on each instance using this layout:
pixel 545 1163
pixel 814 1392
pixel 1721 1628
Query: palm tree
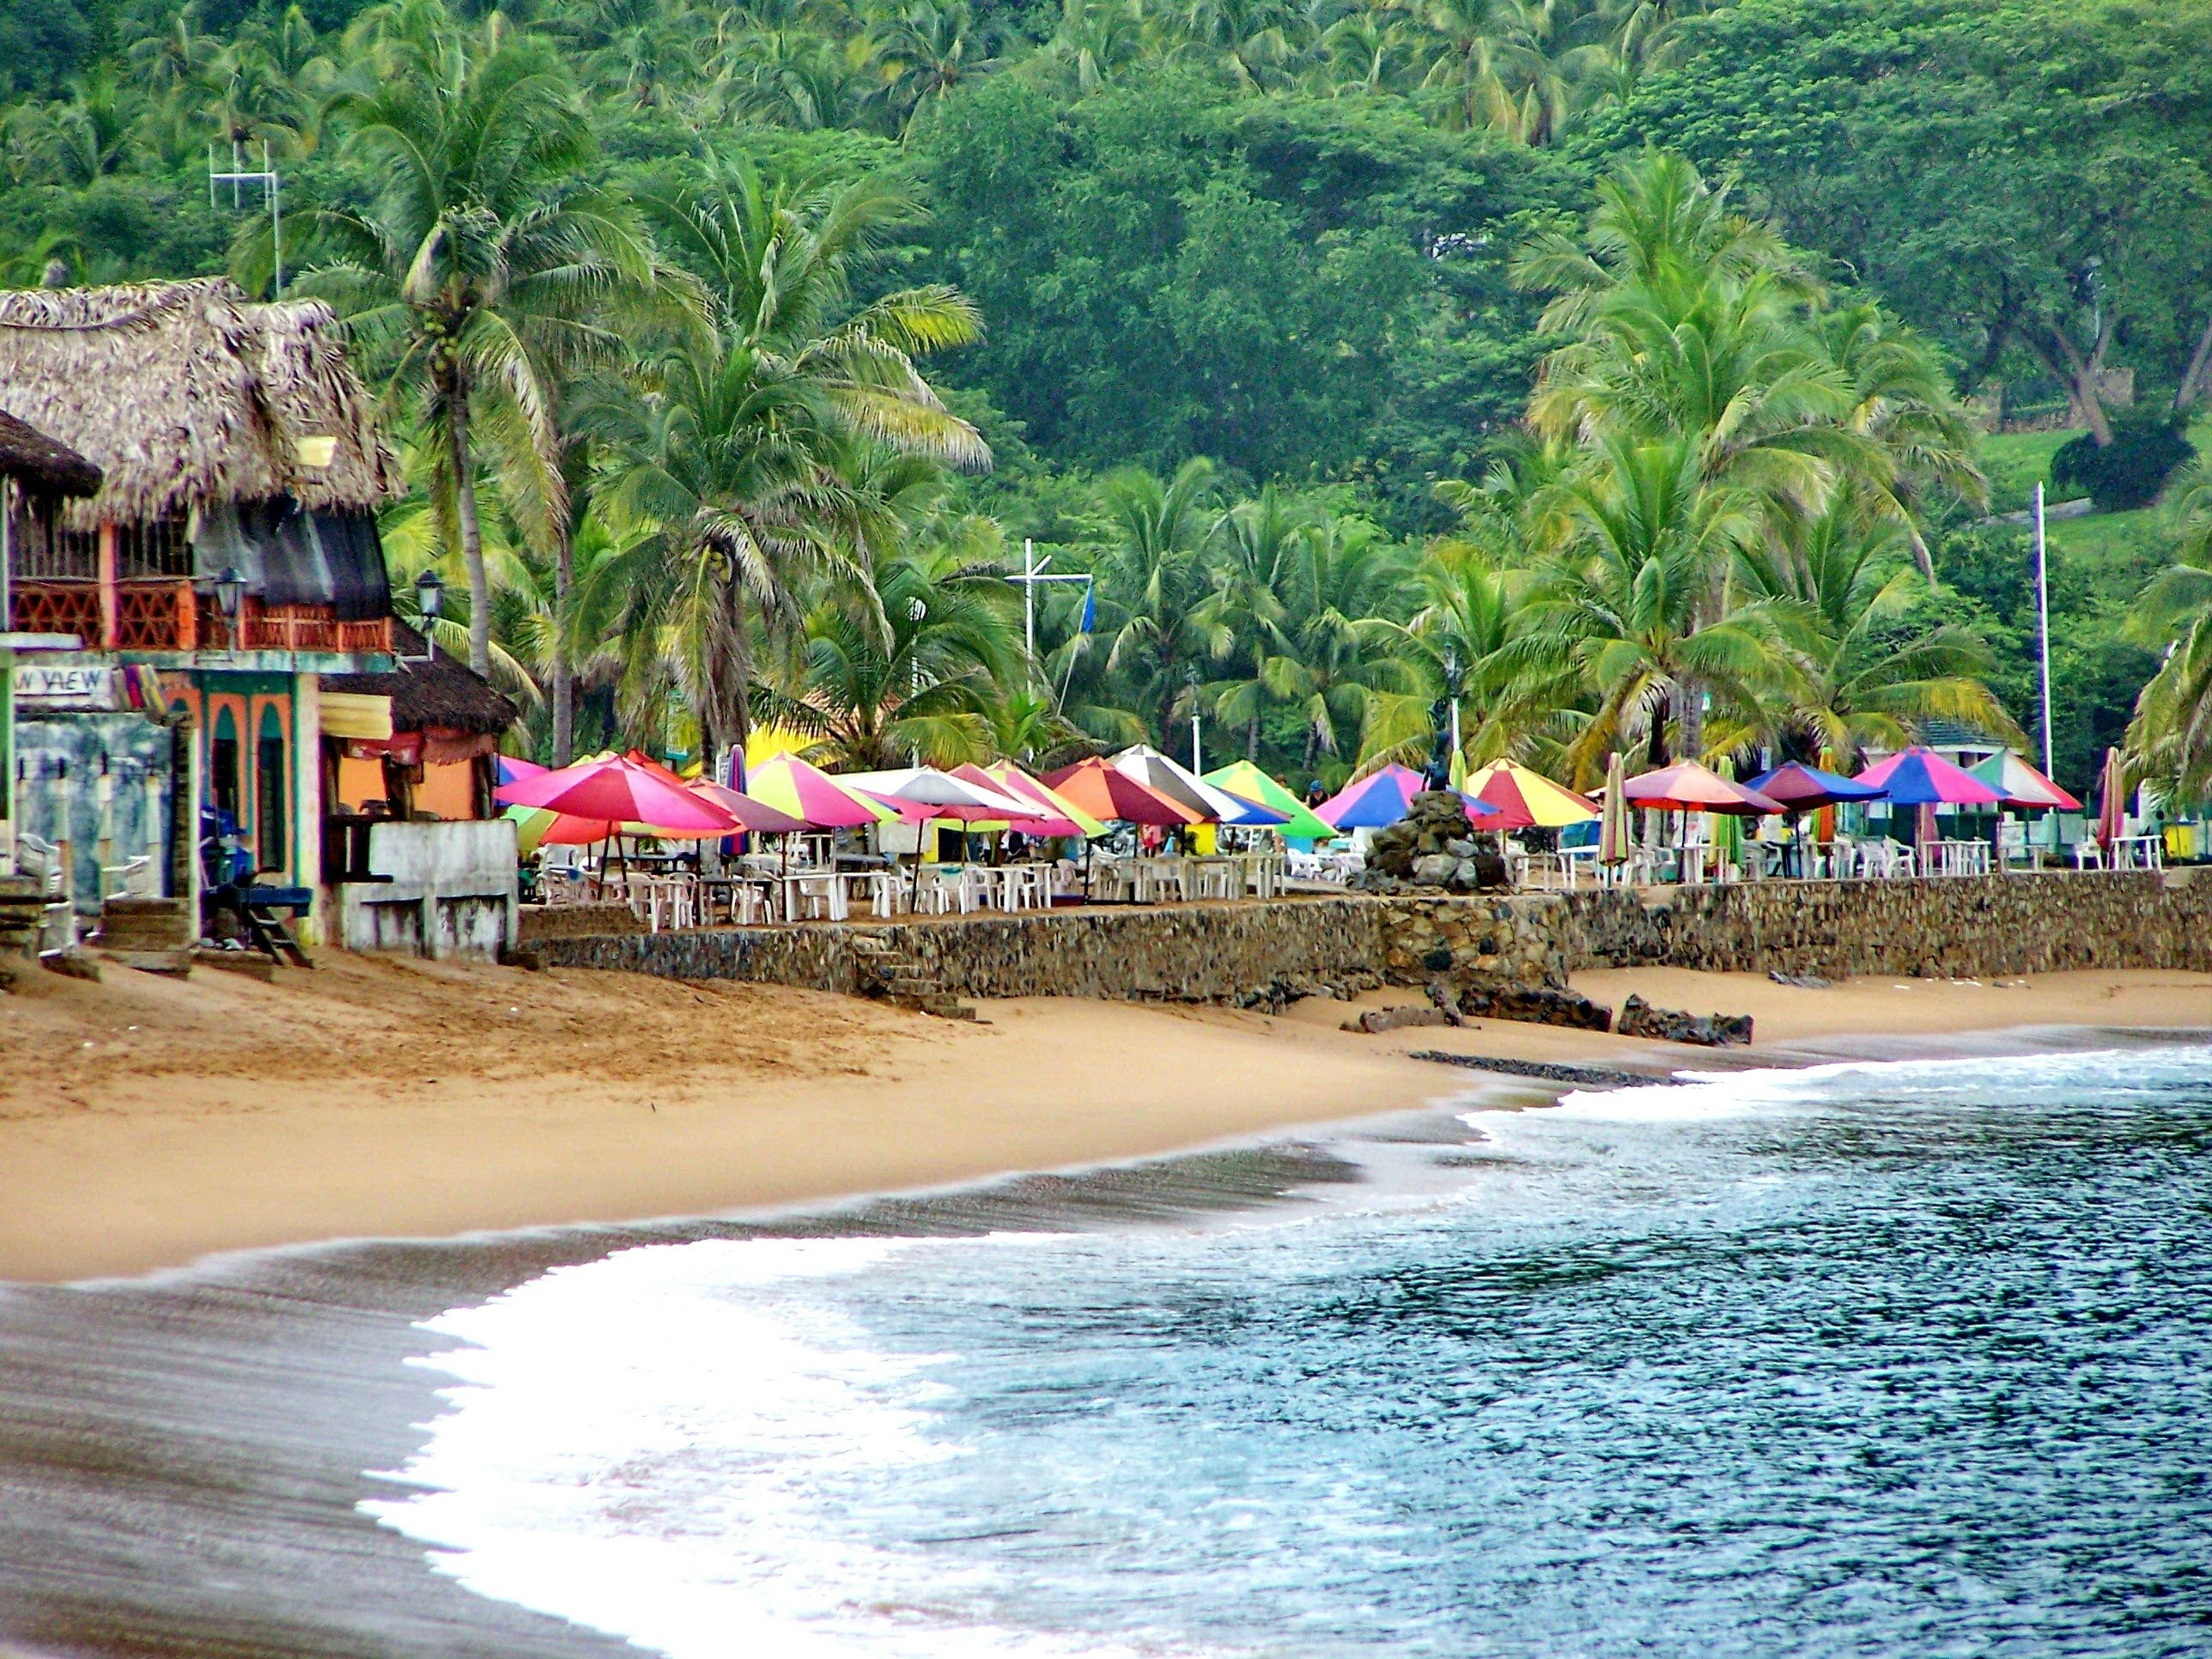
pixel 924 687
pixel 751 461
pixel 1866 677
pixel 1344 583
pixel 1153 581
pixel 1244 614
pixel 1472 639
pixel 486 264
pixel 2169 741
pixel 1625 600
pixel 926 51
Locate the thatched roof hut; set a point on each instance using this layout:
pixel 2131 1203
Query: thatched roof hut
pixel 443 697
pixel 188 394
pixel 44 466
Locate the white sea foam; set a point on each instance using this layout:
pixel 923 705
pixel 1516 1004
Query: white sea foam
pixel 661 1445
pixel 1695 1096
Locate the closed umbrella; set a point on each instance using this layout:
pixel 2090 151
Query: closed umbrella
pixel 1613 819
pixel 2112 809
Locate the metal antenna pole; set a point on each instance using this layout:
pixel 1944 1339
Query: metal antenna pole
pixel 240 175
pixel 275 220
pixel 1029 605
pixel 1197 764
pixel 2043 621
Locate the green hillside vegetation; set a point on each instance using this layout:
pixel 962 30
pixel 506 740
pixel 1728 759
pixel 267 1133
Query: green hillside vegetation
pixel 1363 350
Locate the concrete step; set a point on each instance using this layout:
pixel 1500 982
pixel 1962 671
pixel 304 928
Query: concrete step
pixel 251 964
pixel 175 963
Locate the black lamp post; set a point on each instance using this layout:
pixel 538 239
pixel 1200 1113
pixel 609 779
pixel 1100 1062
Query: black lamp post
pixel 429 600
pixel 229 595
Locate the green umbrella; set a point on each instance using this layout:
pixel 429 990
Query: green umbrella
pixel 1727 830
pixel 1248 780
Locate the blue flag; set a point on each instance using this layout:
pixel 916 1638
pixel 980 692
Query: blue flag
pixel 1090 607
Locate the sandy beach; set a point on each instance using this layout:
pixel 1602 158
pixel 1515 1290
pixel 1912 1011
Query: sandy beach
pixel 147 1122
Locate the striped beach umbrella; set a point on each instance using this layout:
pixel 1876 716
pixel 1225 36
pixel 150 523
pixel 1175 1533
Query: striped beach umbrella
pixel 1015 781
pixel 1524 799
pixel 1921 777
pixel 802 790
pixel 2020 784
pixel 1687 787
pixel 1385 797
pixel 1248 783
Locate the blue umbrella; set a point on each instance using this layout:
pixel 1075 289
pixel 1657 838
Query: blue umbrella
pixel 1256 815
pixel 1801 788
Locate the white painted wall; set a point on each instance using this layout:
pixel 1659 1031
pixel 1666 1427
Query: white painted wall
pixel 451 891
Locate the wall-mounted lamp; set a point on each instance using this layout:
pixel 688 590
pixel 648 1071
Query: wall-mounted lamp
pixel 429 600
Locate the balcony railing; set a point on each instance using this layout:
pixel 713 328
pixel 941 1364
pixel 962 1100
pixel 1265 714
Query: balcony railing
pixel 169 615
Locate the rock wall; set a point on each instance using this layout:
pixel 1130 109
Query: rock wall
pixel 1247 954
pixel 1266 954
pixel 1935 927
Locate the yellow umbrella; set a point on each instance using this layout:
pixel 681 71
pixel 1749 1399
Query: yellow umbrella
pixel 1526 799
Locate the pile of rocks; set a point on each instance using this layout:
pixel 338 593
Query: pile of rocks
pixel 1639 1018
pixel 1431 847
pixel 1533 1005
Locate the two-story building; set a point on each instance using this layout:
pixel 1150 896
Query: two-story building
pixel 228 560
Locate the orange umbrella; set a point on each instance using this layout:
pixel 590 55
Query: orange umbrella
pixel 1095 788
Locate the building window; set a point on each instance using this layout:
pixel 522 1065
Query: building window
pixel 269 814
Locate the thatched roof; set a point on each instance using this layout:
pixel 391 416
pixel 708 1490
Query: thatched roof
pixel 43 465
pixel 185 393
pixel 445 695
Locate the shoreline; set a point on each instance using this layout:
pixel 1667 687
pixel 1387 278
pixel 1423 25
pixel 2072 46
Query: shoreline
pixel 146 1124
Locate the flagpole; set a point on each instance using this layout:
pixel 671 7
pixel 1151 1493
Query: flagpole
pixel 2043 623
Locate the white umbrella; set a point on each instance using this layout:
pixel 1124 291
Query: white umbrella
pixel 924 785
pixel 1179 784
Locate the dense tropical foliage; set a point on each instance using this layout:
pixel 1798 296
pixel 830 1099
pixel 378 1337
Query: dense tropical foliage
pixel 1602 367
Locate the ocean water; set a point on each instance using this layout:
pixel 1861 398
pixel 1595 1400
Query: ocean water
pixel 1901 1359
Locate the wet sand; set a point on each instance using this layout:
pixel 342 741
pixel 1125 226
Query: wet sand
pixel 146 1122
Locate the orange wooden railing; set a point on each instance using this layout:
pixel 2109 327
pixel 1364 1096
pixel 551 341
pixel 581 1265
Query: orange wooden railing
pixel 168 615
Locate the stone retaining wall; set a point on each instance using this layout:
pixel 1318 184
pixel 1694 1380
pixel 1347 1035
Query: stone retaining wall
pixel 1253 954
pixel 1247 954
pixel 1937 927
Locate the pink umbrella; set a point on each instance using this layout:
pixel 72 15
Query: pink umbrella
pixel 1921 777
pixel 1045 822
pixel 795 788
pixel 757 817
pixel 620 791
